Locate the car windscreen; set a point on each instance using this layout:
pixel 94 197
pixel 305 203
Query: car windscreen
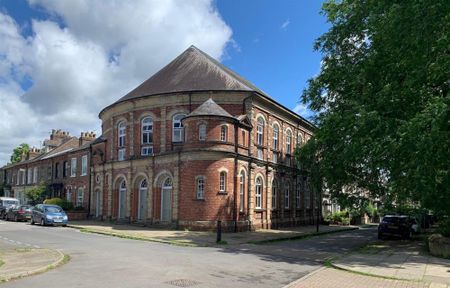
pixel 52 209
pixel 10 202
pixel 394 219
pixel 26 207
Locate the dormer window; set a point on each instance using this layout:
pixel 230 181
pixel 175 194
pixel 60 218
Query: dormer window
pixel 223 133
pixel 202 132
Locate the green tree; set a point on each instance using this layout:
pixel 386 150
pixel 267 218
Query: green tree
pixel 37 193
pixel 381 101
pixel 18 151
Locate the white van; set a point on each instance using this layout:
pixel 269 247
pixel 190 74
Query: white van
pixel 5 203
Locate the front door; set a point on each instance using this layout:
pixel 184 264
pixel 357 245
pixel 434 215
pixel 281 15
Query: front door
pixel 142 203
pixel 166 200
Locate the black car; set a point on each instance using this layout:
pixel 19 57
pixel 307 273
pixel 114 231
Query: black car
pixel 395 225
pixel 19 213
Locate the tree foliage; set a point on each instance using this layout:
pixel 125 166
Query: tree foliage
pixel 382 101
pixel 37 193
pixel 18 152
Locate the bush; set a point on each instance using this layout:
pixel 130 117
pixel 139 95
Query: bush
pixel 444 227
pixel 338 218
pixel 63 203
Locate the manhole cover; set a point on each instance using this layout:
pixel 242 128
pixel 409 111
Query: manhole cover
pixel 183 282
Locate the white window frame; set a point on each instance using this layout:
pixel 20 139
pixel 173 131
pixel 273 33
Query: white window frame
pixel 223 181
pixel 258 192
pixel 241 191
pixel 30 175
pixel 276 132
pixel 260 153
pixel 288 142
pixel 260 131
pixel 147 130
pixel 202 132
pixel 223 133
pixel 35 174
pixel 121 154
pixel 177 128
pixel 84 164
pixel 122 133
pixel 146 150
pixel 73 167
pixel 69 195
pixel 80 197
pixel 286 196
pixel 200 187
pixel 299 139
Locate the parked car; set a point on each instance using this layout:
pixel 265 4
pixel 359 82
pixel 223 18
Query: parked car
pixel 396 225
pixel 5 204
pixel 19 213
pixel 46 214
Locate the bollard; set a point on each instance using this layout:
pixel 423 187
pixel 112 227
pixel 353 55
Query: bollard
pixel 219 231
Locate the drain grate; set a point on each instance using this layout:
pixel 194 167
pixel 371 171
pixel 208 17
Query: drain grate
pixel 183 283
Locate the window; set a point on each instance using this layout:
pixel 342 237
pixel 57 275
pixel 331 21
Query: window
pixel 69 195
pixel 259 131
pixel 121 154
pixel 299 140
pixel 147 130
pixel 56 170
pixel 275 157
pixel 223 181
pixel 260 153
pixel 202 132
pixel 121 127
pixel 274 194
pixel 297 197
pixel 30 176
pixel 286 196
pixel 73 167
pixel 146 150
pixel 178 130
pixel 35 174
pixel 223 133
pixel 275 136
pixel 24 176
pixel 288 142
pixel 241 191
pixel 80 194
pixel 200 187
pixel 84 165
pixel 65 169
pixel 258 193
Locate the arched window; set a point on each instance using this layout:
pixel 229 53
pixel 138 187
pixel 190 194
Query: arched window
pixel 299 140
pixel 202 132
pixel 241 191
pixel 274 194
pixel 223 133
pixel 275 136
pixel 200 187
pixel 286 196
pixel 288 142
pixel 147 130
pixel 223 181
pixel 260 131
pixel 80 197
pixel 177 128
pixel 121 131
pixel 143 185
pixel 258 194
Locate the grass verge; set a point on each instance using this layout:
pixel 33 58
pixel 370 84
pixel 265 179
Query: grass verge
pixel 132 237
pixel 298 237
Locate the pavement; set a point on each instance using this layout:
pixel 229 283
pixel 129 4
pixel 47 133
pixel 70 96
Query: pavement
pixel 400 260
pixel 202 238
pixel 18 260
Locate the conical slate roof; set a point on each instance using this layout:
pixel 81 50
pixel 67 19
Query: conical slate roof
pixel 193 70
pixel 210 108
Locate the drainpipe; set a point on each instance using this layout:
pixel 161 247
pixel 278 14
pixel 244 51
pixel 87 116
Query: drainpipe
pixel 235 211
pixel 90 180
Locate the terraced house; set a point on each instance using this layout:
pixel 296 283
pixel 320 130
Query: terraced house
pixel 197 143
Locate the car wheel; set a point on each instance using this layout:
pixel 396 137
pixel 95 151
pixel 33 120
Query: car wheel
pixel 32 221
pixel 42 222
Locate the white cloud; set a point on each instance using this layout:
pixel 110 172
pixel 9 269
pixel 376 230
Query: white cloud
pixel 102 50
pixel 303 111
pixel 285 24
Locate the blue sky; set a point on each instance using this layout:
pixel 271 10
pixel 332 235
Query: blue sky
pixel 63 59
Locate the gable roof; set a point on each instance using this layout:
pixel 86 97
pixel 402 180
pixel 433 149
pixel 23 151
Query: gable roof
pixel 210 108
pixel 192 70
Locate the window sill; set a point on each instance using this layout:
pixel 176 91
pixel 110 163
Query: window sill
pixel 222 193
pixel 259 210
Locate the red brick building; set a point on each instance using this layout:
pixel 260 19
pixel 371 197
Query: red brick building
pixel 197 143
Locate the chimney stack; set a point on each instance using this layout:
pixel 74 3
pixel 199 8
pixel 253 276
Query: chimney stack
pixel 86 137
pixel 33 153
